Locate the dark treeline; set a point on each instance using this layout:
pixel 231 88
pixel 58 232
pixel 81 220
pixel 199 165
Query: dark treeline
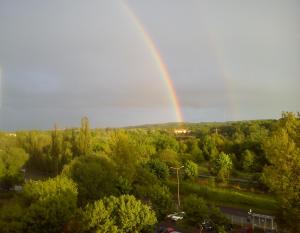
pixel 93 174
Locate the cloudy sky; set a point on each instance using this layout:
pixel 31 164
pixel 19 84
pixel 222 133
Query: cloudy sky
pixel 64 59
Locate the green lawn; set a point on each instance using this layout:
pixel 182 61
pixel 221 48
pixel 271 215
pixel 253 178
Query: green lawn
pixel 262 203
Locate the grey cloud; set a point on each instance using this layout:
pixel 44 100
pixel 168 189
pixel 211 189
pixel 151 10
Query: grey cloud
pixel 65 59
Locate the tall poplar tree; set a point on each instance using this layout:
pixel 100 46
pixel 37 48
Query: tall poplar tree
pixel 55 149
pixel 84 142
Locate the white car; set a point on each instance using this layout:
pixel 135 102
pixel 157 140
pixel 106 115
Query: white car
pixel 176 216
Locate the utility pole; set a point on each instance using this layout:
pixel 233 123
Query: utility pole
pixel 178 195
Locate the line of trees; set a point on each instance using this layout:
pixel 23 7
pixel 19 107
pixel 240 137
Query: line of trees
pixel 132 167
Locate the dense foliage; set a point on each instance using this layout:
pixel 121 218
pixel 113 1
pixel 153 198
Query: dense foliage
pixel 117 214
pixel 89 168
pixel 282 174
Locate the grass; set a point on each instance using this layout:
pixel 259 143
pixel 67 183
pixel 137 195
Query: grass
pixel 230 198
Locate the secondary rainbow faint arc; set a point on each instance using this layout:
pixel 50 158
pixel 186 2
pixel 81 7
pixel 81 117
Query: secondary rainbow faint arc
pixel 158 60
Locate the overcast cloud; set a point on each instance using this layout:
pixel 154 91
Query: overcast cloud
pixel 229 60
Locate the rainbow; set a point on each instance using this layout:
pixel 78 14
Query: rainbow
pixel 163 69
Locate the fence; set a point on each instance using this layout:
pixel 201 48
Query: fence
pixel 260 221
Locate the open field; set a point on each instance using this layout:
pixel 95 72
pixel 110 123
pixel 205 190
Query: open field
pixel 261 203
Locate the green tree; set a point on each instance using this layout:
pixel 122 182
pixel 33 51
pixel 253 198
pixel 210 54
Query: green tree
pixel 84 140
pixel 160 198
pixel 55 150
pixel 74 143
pixel 210 150
pixel 144 143
pixel 123 185
pixel 217 217
pixel 66 148
pixel 11 162
pixel 11 214
pixel 50 205
pixel 37 145
pixel 124 154
pixel 191 170
pixel 117 214
pixel 158 168
pixel 195 151
pixel 164 141
pixel 144 177
pixel 94 175
pixel 169 157
pixel 247 160
pixel 282 175
pixel 223 167
pixel 196 210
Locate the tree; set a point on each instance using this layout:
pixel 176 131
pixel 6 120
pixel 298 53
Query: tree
pixel 217 217
pixel 282 175
pixel 11 162
pixel 191 170
pixel 94 175
pixel 169 157
pixel 196 210
pixel 144 143
pixel 144 177
pixel 124 154
pixel 164 141
pixel 158 168
pixel 223 166
pixel 247 160
pixel 97 218
pixel 66 148
pixel 117 214
pixel 84 141
pixel 123 186
pixel 50 204
pixel 55 150
pixel 210 150
pixel 159 197
pixel 37 145
pixel 11 216
pixel 194 150
pixel 74 143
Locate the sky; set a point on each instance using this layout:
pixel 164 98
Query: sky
pixel 61 60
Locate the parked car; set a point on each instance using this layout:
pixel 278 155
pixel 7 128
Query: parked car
pixel 176 216
pixel 207 225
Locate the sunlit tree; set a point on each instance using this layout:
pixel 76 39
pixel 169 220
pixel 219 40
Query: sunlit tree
pixel 117 214
pixel 282 175
pixel 51 204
